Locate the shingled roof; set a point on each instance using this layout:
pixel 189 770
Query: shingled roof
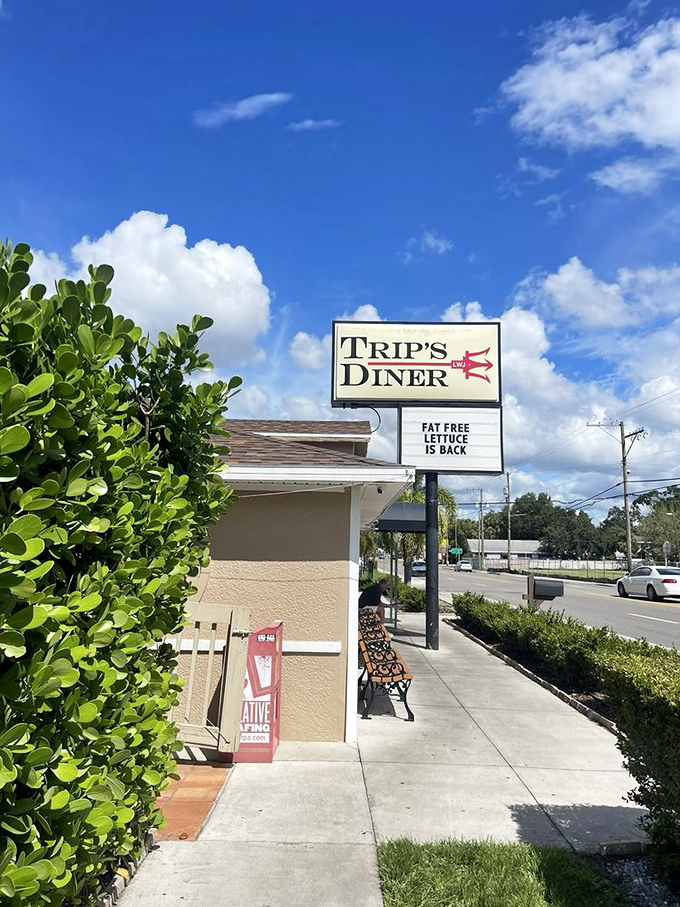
pixel 247 448
pixel 299 427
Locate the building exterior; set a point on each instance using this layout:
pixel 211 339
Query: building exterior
pixel 289 550
pixel 497 549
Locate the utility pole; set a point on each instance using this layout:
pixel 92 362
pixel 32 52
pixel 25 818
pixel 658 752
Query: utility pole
pixel 431 560
pixel 481 528
pixel 507 495
pixel 626 505
pixel 633 435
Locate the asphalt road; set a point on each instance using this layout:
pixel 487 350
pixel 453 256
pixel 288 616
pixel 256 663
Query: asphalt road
pixel 594 604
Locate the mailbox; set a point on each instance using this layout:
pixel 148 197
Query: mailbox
pixel 547 589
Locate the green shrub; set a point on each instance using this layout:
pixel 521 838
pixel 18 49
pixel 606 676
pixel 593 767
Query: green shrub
pixel 108 487
pixel 646 692
pixel 560 648
pixel 410 598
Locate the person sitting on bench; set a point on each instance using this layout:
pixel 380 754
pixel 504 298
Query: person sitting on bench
pixel 371 598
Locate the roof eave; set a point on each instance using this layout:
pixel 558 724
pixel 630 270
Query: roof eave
pixel 325 475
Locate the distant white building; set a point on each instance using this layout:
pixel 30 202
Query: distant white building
pixel 497 549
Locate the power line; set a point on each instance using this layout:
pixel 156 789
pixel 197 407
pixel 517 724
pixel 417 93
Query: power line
pixel 649 403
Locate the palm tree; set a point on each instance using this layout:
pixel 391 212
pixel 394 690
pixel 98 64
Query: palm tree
pixel 368 549
pixel 411 543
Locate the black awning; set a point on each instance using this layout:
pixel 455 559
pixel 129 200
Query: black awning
pixel 403 517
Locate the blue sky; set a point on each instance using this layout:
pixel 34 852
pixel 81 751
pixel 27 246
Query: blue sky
pixel 426 160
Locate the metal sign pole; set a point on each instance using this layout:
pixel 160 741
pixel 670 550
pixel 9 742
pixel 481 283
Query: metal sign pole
pixel 431 561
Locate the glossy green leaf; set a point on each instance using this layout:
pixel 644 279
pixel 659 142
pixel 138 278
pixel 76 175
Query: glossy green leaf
pixel 14 438
pixel 12 643
pixel 28 618
pixel 40 384
pixel 32 548
pixel 105 273
pixel 98 487
pixel 6 379
pixel 59 800
pixel 86 339
pixel 12 544
pixel 9 470
pixel 65 771
pixel 88 712
pixel 26 526
pixel 76 488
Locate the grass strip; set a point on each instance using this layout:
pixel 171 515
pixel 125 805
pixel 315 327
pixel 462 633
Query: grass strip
pixel 485 874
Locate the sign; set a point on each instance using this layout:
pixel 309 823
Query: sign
pixel 666 548
pixel 387 363
pixel 451 439
pixel 261 695
pixel 456 550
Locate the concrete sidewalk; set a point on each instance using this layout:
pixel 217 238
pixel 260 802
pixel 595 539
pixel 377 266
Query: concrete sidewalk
pixel 490 755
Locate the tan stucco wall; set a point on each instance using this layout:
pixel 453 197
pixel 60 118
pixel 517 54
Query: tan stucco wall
pixel 286 558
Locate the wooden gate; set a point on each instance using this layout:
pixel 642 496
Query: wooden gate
pixel 212 651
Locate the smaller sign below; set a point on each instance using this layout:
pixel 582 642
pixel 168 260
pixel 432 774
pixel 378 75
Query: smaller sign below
pixel 451 439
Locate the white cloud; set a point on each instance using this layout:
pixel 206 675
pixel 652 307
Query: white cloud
pixel 633 175
pixel 577 293
pixel 600 84
pixel 246 109
pixel 463 311
pixel 595 84
pixel 366 312
pixel 539 171
pixel 314 125
pixel 253 402
pixel 428 243
pixel 314 353
pixel 47 268
pixel 553 205
pixel 309 351
pixel 161 280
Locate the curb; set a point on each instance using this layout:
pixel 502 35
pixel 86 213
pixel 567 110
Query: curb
pixel 565 697
pixel 626 849
pixel 121 878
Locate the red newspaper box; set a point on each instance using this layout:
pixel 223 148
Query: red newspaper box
pixel 260 710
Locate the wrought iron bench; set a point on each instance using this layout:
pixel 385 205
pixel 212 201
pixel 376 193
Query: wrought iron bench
pixel 383 667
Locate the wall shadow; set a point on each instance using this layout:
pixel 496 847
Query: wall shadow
pixel 584 825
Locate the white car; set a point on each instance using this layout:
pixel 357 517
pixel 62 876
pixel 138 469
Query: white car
pixel 651 582
pixel 418 568
pixel 464 566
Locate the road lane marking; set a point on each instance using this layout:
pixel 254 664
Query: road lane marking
pixel 647 601
pixel 647 617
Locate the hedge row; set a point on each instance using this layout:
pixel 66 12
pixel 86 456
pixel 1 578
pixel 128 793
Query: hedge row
pixel 108 487
pixel 642 683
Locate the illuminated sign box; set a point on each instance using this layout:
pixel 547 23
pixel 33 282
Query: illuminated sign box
pixel 451 439
pixel 387 363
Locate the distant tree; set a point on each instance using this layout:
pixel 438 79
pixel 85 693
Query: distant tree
pixel 611 533
pixel 570 535
pixel 660 524
pixel 531 515
pixel 495 527
pixel 461 531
